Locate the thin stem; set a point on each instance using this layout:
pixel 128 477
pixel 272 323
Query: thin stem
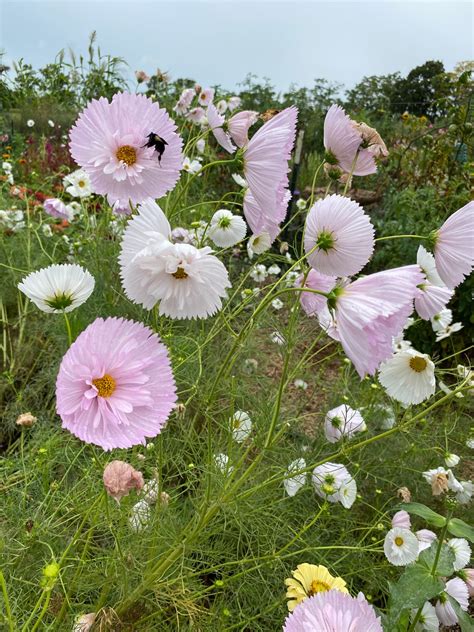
pixel 68 328
pixel 8 611
pixel 401 237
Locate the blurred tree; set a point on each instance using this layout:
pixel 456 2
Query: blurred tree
pixel 422 91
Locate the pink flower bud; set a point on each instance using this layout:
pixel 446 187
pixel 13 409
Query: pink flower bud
pixel 401 519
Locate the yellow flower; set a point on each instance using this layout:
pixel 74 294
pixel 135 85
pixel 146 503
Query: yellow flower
pixel 308 580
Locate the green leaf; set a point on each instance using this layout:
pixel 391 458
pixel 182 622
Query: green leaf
pixel 464 620
pixel 431 517
pixel 460 529
pixel 445 564
pixel 414 587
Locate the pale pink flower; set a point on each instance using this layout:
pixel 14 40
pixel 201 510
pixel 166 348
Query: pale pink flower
pixel 259 221
pixel 115 386
pixel 206 96
pixel 239 125
pixel 233 103
pixel 313 303
pixel 456 589
pixel 120 478
pixel 196 115
pixel 141 76
pixel 372 310
pixel 333 611
pixel 401 519
pixel 216 122
pixel 338 237
pixel 468 574
pixel 342 141
pixel 109 142
pixel 454 246
pixel 56 208
pixel 184 101
pixel 425 538
pixel 343 421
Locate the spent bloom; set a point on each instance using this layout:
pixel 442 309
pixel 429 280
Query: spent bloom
pixel 227 229
pixel 57 208
pixel 115 386
pixel 58 288
pixel 294 482
pixel 442 480
pixel 343 421
pixel 371 140
pixel 333 611
pixel 339 237
pixel 120 478
pixel 400 546
pixel 408 376
pixel 109 141
pixel 308 580
pixel 26 420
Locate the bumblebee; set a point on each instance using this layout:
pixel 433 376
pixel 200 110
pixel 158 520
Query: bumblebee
pixel 157 143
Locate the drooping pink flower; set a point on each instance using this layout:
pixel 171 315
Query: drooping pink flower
pixel 401 519
pixel 454 246
pixel 184 101
pixel 342 141
pixel 313 303
pixel 239 125
pixel 120 478
pixel 259 221
pixel 216 122
pixel 266 162
pixel 431 299
pixel 109 142
pixel 56 208
pixel 115 386
pixel 196 115
pixel 372 310
pixel 338 237
pixel 456 589
pixel 333 611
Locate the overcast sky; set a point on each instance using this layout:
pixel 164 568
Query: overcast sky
pixel 220 42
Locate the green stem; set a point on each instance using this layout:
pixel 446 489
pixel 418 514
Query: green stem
pixel 68 328
pixel 8 611
pixel 401 237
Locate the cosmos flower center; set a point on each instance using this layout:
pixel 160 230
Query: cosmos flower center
pixel 81 183
pixel 224 222
pixel 418 364
pixel 59 301
pixel 127 154
pixel 336 422
pixel 318 586
pixel 325 241
pixel 105 385
pixel 180 273
pixel 398 541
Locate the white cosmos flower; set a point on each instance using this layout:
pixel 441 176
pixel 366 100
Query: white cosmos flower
pixel 462 552
pixel 343 421
pixel 400 344
pixel 274 269
pixel 463 497
pixel 30 123
pixel 233 103
pixel 277 303
pixel 191 166
pixel 441 320
pixel 140 516
pixel 51 123
pixel 329 478
pixel 428 621
pixel 201 145
pixel 58 288
pixel 451 460
pixel 456 589
pixel 426 261
pixel 78 184
pixel 259 273
pixel 277 338
pixel 408 376
pixel 227 229
pixel 295 482
pixel 400 546
pixel 348 493
pixel 442 480
pixel 299 383
pixel 222 463
pixel 258 244
pixel 238 179
pixel 450 329
pixel 425 539
pixel 241 425
pixel 221 106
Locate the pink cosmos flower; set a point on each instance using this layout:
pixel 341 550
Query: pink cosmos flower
pixel 206 96
pixel 109 142
pixel 266 162
pixel 120 478
pixel 342 141
pixel 401 519
pixel 115 386
pixel 184 101
pixel 372 310
pixel 239 125
pixel 196 115
pixel 469 579
pixel 57 208
pixel 259 221
pixel 234 103
pixel 333 611
pixel 216 122
pixel 454 246
pixel 339 236
pixel 425 539
pixel 313 304
pixel 235 129
pixel 456 589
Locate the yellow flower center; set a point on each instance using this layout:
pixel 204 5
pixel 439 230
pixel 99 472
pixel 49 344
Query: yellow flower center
pixel 399 541
pixel 127 154
pixel 105 385
pixel 318 586
pixel 180 274
pixel 418 364
pixel 81 183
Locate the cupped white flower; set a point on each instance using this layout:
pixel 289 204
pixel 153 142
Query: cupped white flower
pixel 425 539
pixel 259 273
pixel 427 263
pixel 343 421
pixel 456 589
pixel 462 552
pixel 451 460
pixel 258 244
pixel 241 426
pixel 427 621
pixel 464 497
pixel 294 482
pixel 441 320
pixel 140 516
pixel 400 546
pixel 227 229
pixel 58 288
pixel 408 376
pixel 328 480
pixel 201 145
pixel 30 123
pixel 348 493
pixel 222 463
pixel 78 184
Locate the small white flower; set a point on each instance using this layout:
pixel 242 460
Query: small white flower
pixel 299 383
pixel 7 167
pixel 451 460
pixel 295 482
pixel 400 546
pixel 301 204
pixel 221 106
pixel 258 244
pixel 463 497
pixel 51 123
pixel 140 517
pixel 58 288
pixel 201 145
pixel 408 376
pixel 250 364
pixel 462 552
pixel 328 481
pixel 238 179
pixel 259 273
pixel 348 493
pixel 241 425
pixel 277 304
pixel 448 331
pixel 222 463
pixel 277 338
pixel 426 261
pixel 400 344
pixel 191 166
pixel 428 621
pixel 456 589
pixel 425 539
pixel 150 491
pixel 30 122
pixel 46 230
pixel 441 320
pixel 78 184
pixel 274 269
pixel 343 421
pixel 227 229
pixel 233 103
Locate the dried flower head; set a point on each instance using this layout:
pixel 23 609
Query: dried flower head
pixel 120 478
